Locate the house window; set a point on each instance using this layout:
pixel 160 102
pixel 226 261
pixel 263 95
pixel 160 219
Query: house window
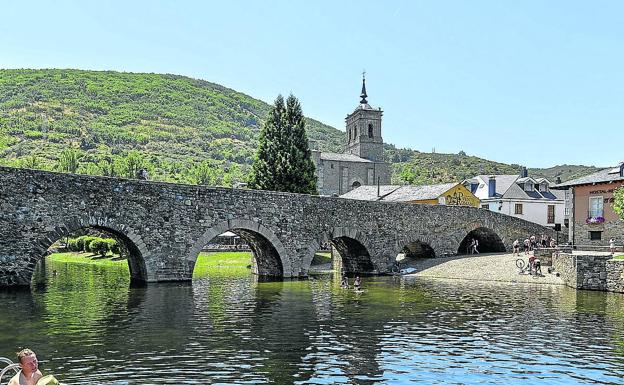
pixel 487 207
pixel 518 208
pixel 370 130
pixel 331 165
pixel 528 187
pixel 567 211
pixel 550 217
pixel 595 207
pixel 595 235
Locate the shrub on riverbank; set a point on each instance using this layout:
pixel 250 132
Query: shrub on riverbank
pixel 208 264
pixel 96 245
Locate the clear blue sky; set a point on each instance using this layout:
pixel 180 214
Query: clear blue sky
pixel 536 83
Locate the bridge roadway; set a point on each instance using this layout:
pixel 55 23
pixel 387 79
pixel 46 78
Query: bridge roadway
pixel 165 225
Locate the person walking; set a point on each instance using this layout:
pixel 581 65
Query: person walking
pixel 516 247
pixel 475 244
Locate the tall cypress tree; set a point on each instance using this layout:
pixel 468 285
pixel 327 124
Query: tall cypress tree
pixel 283 160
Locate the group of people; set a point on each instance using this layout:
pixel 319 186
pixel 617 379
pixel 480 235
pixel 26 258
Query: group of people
pixel 29 373
pixel 357 283
pixel 531 244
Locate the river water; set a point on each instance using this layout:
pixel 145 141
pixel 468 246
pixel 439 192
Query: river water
pixel 89 326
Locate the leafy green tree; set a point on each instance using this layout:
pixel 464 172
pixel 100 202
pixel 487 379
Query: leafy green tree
pixel 31 161
pixel 69 160
pixel 283 161
pixel 618 203
pixel 203 174
pixel 129 165
pixel 90 169
pixel 106 167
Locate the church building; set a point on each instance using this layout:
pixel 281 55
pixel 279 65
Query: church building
pixel 362 161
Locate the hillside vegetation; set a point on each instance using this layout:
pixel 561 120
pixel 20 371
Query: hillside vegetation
pixel 180 129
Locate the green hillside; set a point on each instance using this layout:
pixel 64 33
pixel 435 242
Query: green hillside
pixel 175 124
pixel 413 167
pixel 180 129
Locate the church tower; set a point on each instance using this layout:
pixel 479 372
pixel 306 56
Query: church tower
pixel 364 130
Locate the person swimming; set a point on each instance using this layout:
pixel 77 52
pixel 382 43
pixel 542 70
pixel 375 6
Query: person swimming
pixel 357 284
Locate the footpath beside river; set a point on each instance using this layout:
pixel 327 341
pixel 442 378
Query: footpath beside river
pixel 482 267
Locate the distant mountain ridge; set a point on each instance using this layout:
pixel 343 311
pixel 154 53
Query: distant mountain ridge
pixel 182 129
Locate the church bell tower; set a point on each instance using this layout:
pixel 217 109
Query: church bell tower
pixel 364 129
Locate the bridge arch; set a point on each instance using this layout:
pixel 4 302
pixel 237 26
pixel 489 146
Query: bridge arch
pixel 352 245
pixel 489 241
pixel 270 255
pixel 138 252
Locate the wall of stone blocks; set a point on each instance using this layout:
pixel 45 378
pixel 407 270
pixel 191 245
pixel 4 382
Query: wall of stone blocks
pixel 168 224
pixel 591 271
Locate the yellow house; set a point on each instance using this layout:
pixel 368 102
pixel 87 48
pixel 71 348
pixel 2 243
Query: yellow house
pixel 452 194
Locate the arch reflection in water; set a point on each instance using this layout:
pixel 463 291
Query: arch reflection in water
pixel 237 330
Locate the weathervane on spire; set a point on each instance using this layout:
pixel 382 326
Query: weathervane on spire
pixel 363 94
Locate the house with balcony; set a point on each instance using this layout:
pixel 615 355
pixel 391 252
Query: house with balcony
pixel 590 201
pixel 520 196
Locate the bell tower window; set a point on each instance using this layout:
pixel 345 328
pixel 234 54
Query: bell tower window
pixel 370 130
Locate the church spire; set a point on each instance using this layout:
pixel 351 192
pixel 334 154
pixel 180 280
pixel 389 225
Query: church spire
pixel 363 95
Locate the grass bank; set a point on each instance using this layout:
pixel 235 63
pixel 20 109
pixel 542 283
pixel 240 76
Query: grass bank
pixel 220 263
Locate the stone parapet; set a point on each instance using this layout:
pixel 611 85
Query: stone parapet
pixel 590 271
pixel 615 275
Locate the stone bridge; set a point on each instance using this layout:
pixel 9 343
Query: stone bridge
pixel 165 225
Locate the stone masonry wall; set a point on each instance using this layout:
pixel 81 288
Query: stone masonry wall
pixel 565 264
pixel 167 224
pixel 615 275
pixel 591 271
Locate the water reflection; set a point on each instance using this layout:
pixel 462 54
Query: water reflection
pixel 90 326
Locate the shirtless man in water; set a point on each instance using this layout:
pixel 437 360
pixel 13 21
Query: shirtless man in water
pixel 30 374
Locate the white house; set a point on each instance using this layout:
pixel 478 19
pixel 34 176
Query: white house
pixel 519 196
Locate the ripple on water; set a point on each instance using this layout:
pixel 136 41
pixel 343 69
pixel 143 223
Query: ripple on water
pixel 234 330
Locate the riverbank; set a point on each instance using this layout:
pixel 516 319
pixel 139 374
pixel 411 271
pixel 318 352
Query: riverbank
pixel 220 263
pixel 483 267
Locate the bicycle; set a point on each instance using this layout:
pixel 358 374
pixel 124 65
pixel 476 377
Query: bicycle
pixel 526 268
